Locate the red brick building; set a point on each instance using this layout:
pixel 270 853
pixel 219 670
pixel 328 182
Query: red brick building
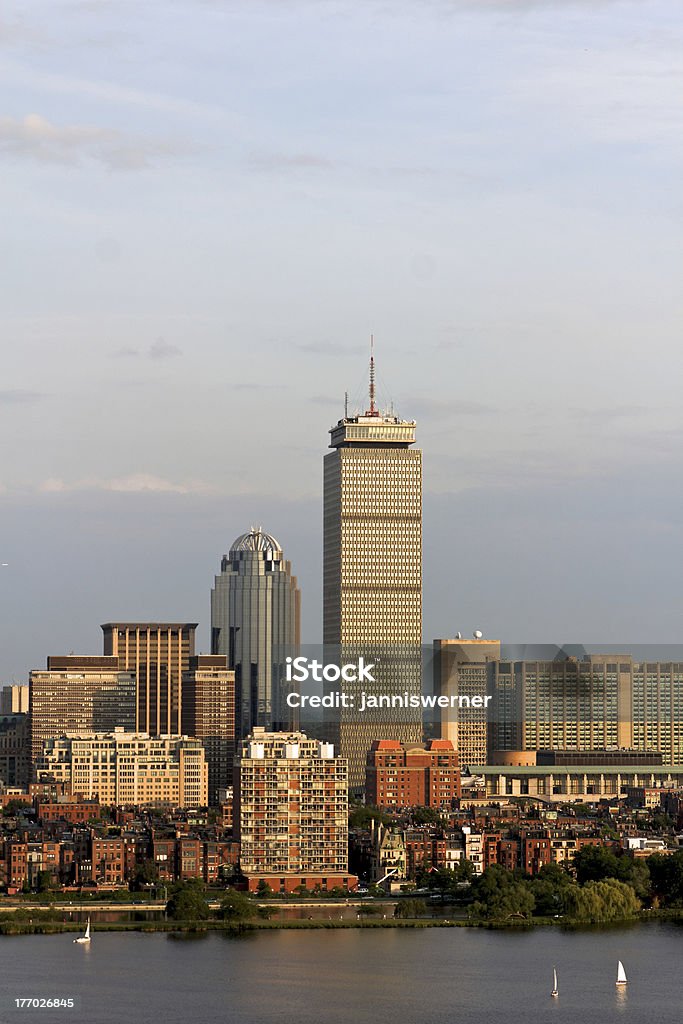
pixel 412 774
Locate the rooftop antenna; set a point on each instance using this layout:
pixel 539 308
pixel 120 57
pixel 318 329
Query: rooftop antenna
pixel 372 411
pixel 346 405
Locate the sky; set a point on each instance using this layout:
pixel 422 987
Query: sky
pixel 209 206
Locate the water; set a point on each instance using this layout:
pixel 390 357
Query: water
pixel 439 976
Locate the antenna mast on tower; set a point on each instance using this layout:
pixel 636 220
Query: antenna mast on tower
pixel 372 410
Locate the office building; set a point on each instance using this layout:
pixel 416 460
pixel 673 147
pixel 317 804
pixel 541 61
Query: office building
pixel 291 813
pixel 372 570
pixel 79 692
pixel 412 774
pixel 15 750
pixel 599 702
pixel 255 623
pixel 209 714
pixel 14 700
pixel 157 653
pixel 128 769
pixel 462 668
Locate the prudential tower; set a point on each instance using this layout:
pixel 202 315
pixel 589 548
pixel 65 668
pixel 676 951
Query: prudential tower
pixel 372 567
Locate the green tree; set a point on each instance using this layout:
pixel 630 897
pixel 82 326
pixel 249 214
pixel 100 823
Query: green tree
pixel 188 902
pixel 666 878
pixel 236 906
pixel 410 908
pixel 146 874
pixel 594 864
pixel 263 890
pixel 608 900
pixel 499 895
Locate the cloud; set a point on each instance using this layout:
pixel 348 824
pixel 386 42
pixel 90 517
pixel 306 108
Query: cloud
pixel 257 387
pixel 125 353
pixel 288 161
pixel 39 139
pixel 426 405
pixel 163 350
pixel 134 483
pixel 331 348
pixel 19 397
pixel 159 350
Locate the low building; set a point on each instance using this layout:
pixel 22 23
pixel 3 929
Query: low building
pixel 412 774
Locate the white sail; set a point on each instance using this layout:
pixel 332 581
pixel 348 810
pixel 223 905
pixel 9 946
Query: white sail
pixel 87 930
pixel 555 990
pixel 621 974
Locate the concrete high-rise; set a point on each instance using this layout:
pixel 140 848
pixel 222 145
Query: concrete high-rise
pixel 158 653
pixel 209 714
pixel 255 622
pixel 372 568
pixel 291 813
pixel 463 668
pixel 79 693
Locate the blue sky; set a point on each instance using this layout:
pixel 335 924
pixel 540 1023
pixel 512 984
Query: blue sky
pixel 207 207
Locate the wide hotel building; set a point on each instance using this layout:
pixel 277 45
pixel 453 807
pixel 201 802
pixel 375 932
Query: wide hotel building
pixel 372 570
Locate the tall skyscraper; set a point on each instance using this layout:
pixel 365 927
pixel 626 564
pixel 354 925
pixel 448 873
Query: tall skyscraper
pixel 79 693
pixel 209 714
pixel 158 653
pixel 372 568
pixel 255 622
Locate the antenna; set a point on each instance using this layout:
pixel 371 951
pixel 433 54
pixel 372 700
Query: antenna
pixel 372 411
pixel 346 405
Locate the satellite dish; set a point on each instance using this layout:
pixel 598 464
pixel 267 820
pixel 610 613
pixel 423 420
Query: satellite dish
pixel 478 634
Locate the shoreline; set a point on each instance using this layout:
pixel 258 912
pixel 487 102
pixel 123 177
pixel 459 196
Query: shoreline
pixel 46 927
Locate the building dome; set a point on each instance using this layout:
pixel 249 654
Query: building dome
pixel 256 540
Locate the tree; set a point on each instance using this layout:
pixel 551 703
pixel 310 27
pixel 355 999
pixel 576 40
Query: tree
pixel 549 889
pixel 188 903
pixel 410 908
pixel 499 895
pixel 146 874
pixel 666 878
pixel 236 906
pixel 263 890
pixel 44 881
pixel 595 863
pixel 609 900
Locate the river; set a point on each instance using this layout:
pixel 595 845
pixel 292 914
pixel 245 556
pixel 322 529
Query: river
pixel 393 976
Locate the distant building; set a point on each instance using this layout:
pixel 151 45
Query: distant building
pixel 157 653
pixel 606 702
pixel 623 757
pixel 209 714
pixel 462 668
pixel 255 623
pixel 79 693
pixel 15 750
pixel 412 774
pixel 372 571
pixel 128 769
pixel 291 813
pixel 14 700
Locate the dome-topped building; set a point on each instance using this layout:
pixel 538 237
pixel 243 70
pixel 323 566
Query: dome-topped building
pixel 255 621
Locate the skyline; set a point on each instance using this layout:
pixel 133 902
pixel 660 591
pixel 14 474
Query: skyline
pixel 203 227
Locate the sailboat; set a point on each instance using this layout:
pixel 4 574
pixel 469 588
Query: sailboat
pixel 555 992
pixel 621 975
pixel 86 935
